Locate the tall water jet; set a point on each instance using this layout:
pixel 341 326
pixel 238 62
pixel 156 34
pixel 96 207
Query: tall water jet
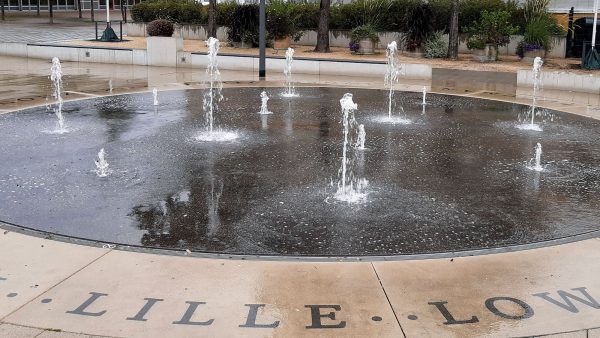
pixel 101 164
pixel 56 78
pixel 537 66
pixel 349 187
pixel 287 72
pixel 263 104
pixel 393 72
pixel 155 96
pixel 213 95
pixel 424 95
pixel 362 135
pixel 536 162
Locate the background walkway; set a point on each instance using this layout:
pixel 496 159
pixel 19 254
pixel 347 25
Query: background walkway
pixel 27 27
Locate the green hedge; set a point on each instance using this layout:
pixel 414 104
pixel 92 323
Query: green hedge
pixel 177 11
pixel 384 15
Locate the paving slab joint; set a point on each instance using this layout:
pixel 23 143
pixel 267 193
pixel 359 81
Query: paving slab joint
pixel 387 298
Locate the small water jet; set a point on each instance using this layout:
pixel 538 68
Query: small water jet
pixel 263 104
pixel 537 66
pixel 536 162
pixel 102 169
pixel 424 95
pixel 287 72
pixel 155 96
pixel 391 78
pixel 56 78
pixel 362 135
pixel 349 188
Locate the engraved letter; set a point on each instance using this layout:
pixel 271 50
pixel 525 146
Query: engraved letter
pixel 568 305
pixel 81 309
pixel 187 316
pixel 490 304
pixel 140 315
pixel 449 318
pixel 315 313
pixel 251 320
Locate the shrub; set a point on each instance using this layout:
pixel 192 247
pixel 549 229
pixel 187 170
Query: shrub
pixel 471 11
pixel 420 26
pixel 375 13
pixel 225 13
pixel 243 25
pixel 282 21
pixel 160 28
pixel 535 9
pixel 364 32
pixel 307 15
pixel 178 11
pixel 395 18
pixel 441 11
pixel 537 33
pixel 475 42
pixel 493 28
pixel 436 46
pixel 383 15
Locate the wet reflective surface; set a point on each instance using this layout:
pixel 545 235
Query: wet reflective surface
pixel 453 179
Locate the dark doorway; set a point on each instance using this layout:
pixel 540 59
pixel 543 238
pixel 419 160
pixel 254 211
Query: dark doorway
pixel 583 35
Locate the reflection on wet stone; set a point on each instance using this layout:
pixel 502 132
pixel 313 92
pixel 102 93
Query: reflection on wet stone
pixel 448 181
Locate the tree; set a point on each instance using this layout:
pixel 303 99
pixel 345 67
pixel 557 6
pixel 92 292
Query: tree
pixel 212 18
pixel 323 30
pixel 453 41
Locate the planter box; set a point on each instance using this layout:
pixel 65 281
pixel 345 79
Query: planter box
pixel 366 47
pixel 416 53
pixel 282 44
pixel 530 55
pixel 485 55
pixel 162 50
pixel 242 45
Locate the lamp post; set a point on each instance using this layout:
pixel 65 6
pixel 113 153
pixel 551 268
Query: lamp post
pixel 262 40
pixel 591 58
pixel 595 23
pixel 109 33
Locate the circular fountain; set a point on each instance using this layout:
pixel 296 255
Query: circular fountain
pixel 457 178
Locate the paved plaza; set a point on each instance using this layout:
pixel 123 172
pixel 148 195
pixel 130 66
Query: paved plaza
pixel 48 34
pixel 248 238
pixel 26 27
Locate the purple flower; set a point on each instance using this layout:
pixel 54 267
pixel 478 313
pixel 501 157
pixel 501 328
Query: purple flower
pixel 531 47
pixel 354 46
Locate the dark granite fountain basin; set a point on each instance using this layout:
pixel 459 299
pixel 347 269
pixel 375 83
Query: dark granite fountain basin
pixel 453 179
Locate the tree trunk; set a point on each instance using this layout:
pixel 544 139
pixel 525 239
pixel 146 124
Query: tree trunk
pixel 453 42
pixel 323 30
pixel 212 18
